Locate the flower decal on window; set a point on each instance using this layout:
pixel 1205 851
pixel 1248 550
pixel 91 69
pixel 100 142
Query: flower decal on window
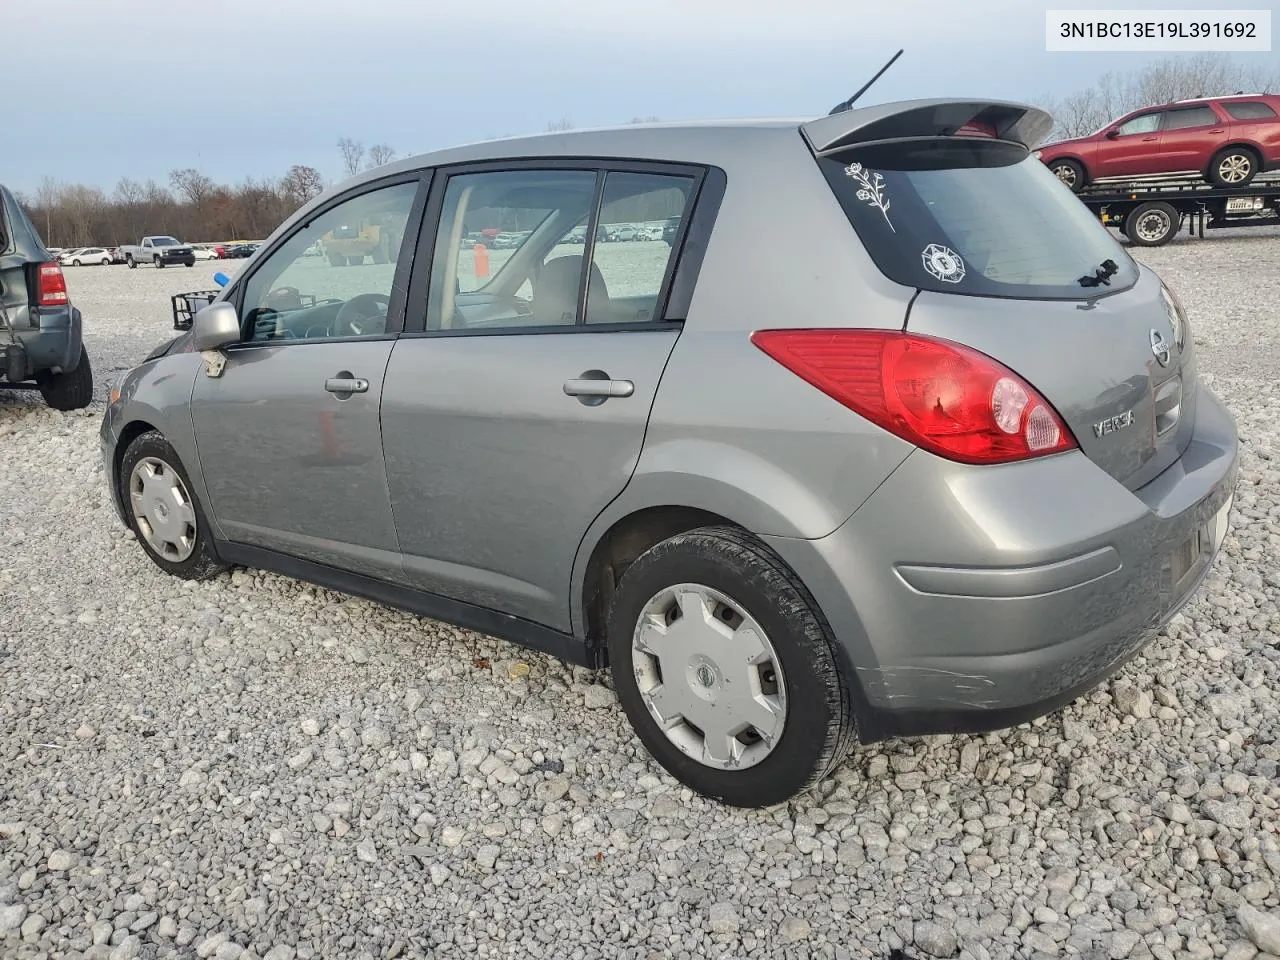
pixel 870 189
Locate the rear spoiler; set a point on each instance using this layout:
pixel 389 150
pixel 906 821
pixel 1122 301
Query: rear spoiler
pixel 906 119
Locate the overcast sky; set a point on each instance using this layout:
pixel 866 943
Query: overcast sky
pixel 96 91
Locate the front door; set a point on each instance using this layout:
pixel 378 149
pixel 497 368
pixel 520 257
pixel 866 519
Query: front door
pixel 1133 151
pixel 519 412
pixel 288 434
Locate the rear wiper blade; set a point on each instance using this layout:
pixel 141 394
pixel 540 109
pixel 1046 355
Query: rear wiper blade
pixel 1102 277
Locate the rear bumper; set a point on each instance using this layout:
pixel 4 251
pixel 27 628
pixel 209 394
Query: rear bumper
pixel 974 598
pixel 53 346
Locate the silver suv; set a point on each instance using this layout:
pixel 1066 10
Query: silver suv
pixel 889 438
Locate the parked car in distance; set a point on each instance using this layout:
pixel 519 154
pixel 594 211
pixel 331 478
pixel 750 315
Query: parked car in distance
pixel 41 347
pixel 204 251
pixel 1226 140
pixel 64 256
pixel 959 466
pixel 88 255
pixel 160 251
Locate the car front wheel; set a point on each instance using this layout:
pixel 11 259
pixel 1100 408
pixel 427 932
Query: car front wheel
pixel 163 512
pixel 727 670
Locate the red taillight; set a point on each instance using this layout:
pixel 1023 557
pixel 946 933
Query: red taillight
pixel 52 289
pixel 938 395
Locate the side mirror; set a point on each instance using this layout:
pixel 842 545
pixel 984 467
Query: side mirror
pixel 1112 133
pixel 215 326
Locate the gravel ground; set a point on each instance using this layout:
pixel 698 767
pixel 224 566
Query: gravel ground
pixel 252 767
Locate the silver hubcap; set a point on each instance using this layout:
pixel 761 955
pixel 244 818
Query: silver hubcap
pixel 162 509
pixel 1153 225
pixel 1234 168
pixel 709 676
pixel 1066 174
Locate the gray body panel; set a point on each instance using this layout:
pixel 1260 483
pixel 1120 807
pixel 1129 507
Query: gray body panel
pixel 1081 559
pixel 960 596
pixel 291 467
pixel 495 473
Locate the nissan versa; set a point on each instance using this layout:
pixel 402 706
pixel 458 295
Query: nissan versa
pixel 889 438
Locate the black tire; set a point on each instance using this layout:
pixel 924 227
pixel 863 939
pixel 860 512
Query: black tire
pixel 133 264
pixel 1243 159
pixel 71 390
pixel 819 725
pixel 1152 224
pixel 191 263
pixel 1071 173
pixel 203 562
pixel 158 262
pixel 336 260
pixel 76 263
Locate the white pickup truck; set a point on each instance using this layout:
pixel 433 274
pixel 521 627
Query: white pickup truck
pixel 161 251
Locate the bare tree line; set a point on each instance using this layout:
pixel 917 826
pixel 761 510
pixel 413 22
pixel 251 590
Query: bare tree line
pixel 191 207
pixel 1173 78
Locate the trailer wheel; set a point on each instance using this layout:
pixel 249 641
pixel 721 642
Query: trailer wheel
pixel 1152 224
pixel 1070 172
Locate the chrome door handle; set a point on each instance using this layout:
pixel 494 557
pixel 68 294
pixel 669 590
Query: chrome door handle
pixel 599 388
pixel 346 385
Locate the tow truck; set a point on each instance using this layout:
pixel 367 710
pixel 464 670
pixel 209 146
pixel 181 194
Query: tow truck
pixel 1152 211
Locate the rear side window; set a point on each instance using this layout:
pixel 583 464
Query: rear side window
pixel 975 217
pixel 1190 117
pixel 632 266
pixel 1250 111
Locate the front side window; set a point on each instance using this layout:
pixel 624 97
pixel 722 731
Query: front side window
pixel 1250 111
pixel 334 276
pixel 1147 123
pixel 1190 117
pixel 982 218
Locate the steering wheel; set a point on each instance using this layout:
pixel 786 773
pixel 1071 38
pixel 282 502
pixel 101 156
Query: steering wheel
pixel 361 312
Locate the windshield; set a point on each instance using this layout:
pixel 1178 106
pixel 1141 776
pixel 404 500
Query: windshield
pixel 163 242
pixel 982 218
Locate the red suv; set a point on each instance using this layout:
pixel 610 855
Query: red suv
pixel 1227 140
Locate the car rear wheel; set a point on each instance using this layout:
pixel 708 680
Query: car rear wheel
pixel 1152 224
pixel 1233 167
pixel 133 264
pixel 1070 172
pixel 70 390
pixel 163 513
pixel 727 670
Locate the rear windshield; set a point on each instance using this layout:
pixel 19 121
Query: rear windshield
pixel 976 217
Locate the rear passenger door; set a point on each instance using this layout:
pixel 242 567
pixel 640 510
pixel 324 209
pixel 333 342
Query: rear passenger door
pixel 1190 136
pixel 517 399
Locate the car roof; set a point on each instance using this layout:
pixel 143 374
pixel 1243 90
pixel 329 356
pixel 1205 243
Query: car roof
pixel 725 141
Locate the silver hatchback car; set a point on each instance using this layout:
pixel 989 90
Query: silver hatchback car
pixel 890 437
